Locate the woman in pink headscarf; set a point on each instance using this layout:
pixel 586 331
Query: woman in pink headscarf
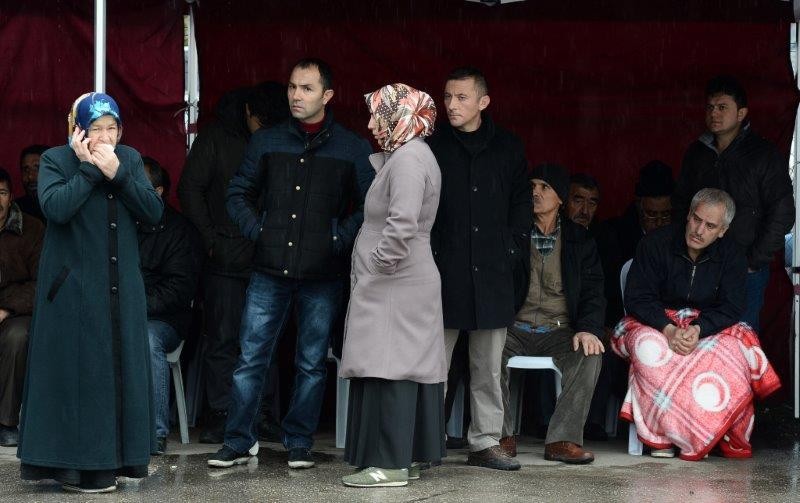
pixel 394 341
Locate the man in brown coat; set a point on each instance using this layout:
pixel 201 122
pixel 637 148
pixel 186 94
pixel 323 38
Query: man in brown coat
pixel 20 245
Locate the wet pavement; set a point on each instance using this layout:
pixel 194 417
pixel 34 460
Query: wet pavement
pixel 181 475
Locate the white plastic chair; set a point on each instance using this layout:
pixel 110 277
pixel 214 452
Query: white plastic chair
pixel 516 383
pixel 634 444
pixel 174 360
pixel 342 397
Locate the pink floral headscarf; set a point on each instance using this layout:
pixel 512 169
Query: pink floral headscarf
pixel 404 112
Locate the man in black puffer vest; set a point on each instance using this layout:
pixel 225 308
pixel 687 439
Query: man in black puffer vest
pixel 299 195
pixel 731 157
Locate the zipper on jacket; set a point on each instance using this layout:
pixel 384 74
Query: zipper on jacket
pixel 694 269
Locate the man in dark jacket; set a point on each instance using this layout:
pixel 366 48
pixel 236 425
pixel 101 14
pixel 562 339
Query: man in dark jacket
pixel 617 238
pixel 562 317
pixel 212 161
pixel 170 254
pixel 479 239
pixel 731 157
pixel 20 246
pixel 311 176
pixel 29 169
pixel 690 266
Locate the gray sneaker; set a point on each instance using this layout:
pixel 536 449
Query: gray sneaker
pixel 377 477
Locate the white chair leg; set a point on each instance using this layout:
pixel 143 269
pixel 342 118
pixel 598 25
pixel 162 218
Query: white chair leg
pixel 342 396
pixel 635 446
pixel 180 401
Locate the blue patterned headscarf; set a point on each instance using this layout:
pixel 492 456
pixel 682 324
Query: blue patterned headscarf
pixel 90 107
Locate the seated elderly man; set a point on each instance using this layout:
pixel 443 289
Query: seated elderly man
pixel 170 262
pixel 20 246
pixel 562 317
pixel 694 367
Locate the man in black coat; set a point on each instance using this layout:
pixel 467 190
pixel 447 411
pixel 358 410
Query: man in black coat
pixel 211 163
pixel 562 317
pixel 29 169
pixel 479 240
pixel 170 253
pixel 690 265
pixel 731 157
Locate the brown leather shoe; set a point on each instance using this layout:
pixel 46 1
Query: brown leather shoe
pixel 509 445
pixel 568 453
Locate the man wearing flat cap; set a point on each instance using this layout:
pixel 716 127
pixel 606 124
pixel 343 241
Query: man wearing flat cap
pixel 562 317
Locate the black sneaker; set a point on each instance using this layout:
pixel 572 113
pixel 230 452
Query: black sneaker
pixel 161 446
pixel 89 488
pixel 214 431
pixel 227 457
pixel 300 458
pixel 9 436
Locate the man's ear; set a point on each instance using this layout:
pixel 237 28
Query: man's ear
pixel 119 133
pixel 722 232
pixel 741 114
pixel 326 96
pixel 484 102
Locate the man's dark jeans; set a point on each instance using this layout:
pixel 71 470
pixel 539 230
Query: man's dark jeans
pixel 268 304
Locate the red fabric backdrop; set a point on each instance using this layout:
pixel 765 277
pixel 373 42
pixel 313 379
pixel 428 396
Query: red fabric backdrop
pixel 47 60
pixel 602 86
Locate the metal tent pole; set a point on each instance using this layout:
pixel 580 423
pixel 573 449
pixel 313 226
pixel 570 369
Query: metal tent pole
pixel 100 46
pixel 795 247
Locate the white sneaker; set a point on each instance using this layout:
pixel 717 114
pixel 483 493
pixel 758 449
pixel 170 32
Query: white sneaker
pixel 663 453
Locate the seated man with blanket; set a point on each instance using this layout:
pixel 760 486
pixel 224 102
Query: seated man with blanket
pixel 694 367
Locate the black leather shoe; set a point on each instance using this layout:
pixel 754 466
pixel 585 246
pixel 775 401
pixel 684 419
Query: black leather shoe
pixel 9 436
pixel 593 431
pixel 493 458
pixel 214 432
pixel 161 446
pixel 269 431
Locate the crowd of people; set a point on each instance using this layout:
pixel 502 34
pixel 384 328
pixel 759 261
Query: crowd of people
pixel 443 239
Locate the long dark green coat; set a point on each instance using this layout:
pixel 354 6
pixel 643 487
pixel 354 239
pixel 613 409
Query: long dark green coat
pixel 87 401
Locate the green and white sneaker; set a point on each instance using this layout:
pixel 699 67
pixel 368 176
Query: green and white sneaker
pixel 415 469
pixel 377 477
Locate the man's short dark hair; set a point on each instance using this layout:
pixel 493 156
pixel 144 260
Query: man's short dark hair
pixel 325 72
pixel 32 149
pixel 726 84
pixel 158 175
pixel 267 101
pixel 585 181
pixel 5 177
pixel 470 72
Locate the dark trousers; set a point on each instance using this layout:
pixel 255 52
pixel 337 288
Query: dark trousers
pixel 223 304
pixel 13 359
pixel 578 378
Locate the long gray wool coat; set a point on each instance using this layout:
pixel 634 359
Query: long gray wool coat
pixel 87 402
pixel 394 326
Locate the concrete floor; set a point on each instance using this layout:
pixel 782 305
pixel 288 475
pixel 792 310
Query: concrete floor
pixel 182 475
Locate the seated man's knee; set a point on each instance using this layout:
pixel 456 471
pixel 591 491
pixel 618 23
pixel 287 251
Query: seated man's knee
pixel 15 334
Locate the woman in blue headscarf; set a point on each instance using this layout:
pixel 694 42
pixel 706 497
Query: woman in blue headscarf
pixel 87 414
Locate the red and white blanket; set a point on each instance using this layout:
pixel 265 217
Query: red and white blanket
pixel 697 401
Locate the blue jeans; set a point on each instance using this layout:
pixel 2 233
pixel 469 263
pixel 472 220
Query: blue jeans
pixel 267 307
pixel 755 286
pixel 163 339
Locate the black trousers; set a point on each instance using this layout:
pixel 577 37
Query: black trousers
pixel 390 424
